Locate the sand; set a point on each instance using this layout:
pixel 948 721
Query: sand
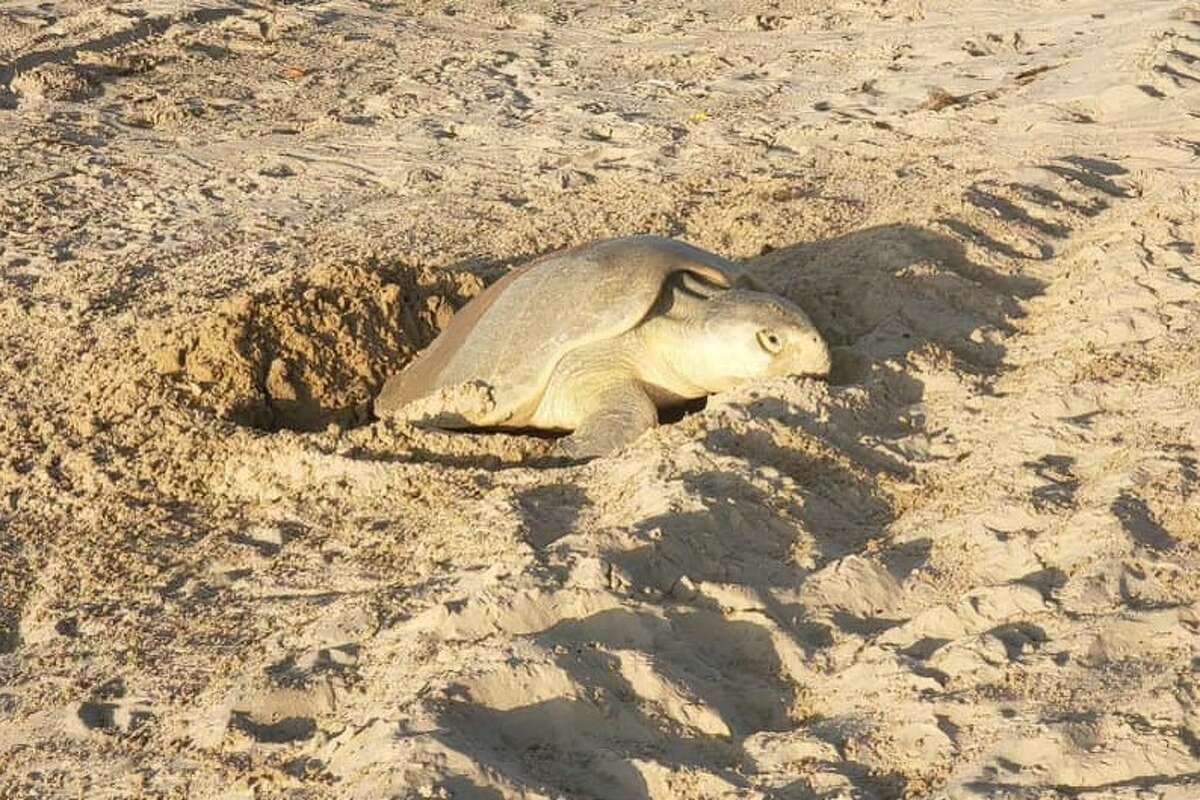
pixel 966 567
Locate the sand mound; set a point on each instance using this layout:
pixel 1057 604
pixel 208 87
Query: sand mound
pixel 311 351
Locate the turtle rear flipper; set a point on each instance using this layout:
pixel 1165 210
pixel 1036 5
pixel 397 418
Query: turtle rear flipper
pixel 464 405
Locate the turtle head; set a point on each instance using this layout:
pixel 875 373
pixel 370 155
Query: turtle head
pixel 741 335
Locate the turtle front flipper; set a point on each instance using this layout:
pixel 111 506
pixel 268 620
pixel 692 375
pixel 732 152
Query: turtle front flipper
pixel 619 414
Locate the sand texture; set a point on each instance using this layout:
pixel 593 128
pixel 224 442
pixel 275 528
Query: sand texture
pixel 966 567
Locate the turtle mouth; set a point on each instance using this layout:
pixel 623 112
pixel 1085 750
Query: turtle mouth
pixel 820 373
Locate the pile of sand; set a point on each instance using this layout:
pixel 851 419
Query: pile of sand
pixel 310 353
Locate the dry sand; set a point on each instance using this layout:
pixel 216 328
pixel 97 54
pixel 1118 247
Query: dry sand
pixel 968 567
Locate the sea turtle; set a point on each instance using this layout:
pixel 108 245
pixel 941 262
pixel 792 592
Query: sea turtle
pixel 597 339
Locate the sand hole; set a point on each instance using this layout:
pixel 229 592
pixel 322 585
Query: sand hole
pixel 310 351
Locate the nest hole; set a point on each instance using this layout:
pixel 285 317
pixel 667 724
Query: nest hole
pixel 312 351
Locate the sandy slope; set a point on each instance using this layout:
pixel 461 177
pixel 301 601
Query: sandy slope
pixel 968 567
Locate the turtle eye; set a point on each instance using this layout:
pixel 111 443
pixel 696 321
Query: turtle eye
pixel 770 341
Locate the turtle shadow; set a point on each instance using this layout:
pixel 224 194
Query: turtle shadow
pixel 887 290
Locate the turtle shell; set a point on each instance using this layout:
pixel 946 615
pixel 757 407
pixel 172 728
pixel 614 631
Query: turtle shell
pixel 508 338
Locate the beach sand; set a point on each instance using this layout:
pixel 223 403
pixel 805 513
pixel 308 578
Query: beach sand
pixel 968 566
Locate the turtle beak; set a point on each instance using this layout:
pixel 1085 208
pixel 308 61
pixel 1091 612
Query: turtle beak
pixel 826 362
pixel 813 359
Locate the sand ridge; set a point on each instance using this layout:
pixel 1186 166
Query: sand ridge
pixel 965 567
